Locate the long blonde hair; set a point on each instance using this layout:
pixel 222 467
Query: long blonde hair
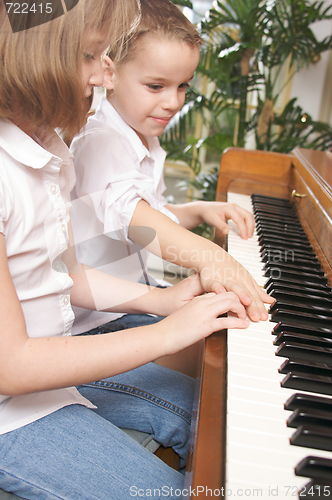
pixel 40 67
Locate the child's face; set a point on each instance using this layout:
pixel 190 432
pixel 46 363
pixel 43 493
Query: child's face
pixel 150 89
pixel 92 70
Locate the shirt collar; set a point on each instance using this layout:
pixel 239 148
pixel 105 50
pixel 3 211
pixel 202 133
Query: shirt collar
pixel 25 150
pixel 109 113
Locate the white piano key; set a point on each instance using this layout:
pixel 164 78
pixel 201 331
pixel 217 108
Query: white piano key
pixel 253 394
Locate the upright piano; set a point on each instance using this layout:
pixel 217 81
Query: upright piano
pixel 263 423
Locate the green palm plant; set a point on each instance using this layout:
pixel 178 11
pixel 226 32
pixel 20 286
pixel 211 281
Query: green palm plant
pixel 247 45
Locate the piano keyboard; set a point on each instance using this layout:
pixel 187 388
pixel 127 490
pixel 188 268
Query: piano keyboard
pixel 260 461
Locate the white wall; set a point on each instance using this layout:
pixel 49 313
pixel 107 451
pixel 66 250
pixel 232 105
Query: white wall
pixel 313 85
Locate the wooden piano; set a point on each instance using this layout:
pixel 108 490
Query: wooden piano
pixel 303 177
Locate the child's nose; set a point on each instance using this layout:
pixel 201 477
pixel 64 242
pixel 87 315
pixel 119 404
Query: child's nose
pixel 173 101
pixel 97 77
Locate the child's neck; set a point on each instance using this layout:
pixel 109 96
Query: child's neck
pixel 109 98
pixel 143 139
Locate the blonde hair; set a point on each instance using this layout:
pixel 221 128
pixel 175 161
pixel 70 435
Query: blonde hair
pixel 41 67
pixel 158 18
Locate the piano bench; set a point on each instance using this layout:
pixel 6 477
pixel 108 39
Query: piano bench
pixel 8 496
pixel 168 456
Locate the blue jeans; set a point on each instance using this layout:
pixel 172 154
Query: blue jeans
pixel 126 321
pixel 80 454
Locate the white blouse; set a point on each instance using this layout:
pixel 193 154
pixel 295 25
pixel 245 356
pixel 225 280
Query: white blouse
pixel 114 171
pixel 35 183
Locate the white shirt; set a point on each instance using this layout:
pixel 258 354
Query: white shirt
pixel 35 184
pixel 114 172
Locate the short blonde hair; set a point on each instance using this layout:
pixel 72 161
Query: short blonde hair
pixel 41 67
pixel 158 18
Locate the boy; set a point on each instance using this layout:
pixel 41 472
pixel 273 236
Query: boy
pixel 119 166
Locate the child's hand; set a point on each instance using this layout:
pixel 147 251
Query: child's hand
pixel 180 294
pixel 201 317
pixel 216 214
pixel 225 273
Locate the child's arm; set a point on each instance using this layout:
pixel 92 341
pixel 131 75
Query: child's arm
pixel 216 214
pixel 218 270
pixel 96 290
pixel 44 363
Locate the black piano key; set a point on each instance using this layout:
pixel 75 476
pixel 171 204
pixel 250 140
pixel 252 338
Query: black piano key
pixel 303 339
pixel 287 250
pixel 313 309
pixel 275 237
pixel 300 319
pixel 276 213
pixel 278 233
pixel 261 204
pixel 314 467
pixel 305 367
pixel 318 289
pixel 291 266
pixel 271 200
pixel 279 214
pixel 308 401
pixel 275 258
pixel 279 228
pixel 263 198
pixel 276 273
pixel 286 225
pixel 313 437
pixel 290 290
pixel 305 330
pixel 309 418
pixel 274 217
pixel 316 489
pixel 286 242
pixel 301 298
pixel 308 383
pixel 302 351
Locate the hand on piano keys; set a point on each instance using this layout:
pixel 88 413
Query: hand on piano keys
pixel 219 271
pixel 216 214
pixel 199 318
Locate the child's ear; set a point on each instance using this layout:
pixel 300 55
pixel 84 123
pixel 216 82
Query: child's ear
pixel 109 69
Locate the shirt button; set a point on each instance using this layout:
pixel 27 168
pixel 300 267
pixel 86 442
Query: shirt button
pixel 53 188
pixel 66 300
pixel 57 266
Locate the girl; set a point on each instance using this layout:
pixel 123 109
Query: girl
pixel 59 428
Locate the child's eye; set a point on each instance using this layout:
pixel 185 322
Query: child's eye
pixel 184 86
pixel 88 56
pixel 154 86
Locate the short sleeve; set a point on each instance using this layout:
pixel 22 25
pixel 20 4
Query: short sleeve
pixel 109 179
